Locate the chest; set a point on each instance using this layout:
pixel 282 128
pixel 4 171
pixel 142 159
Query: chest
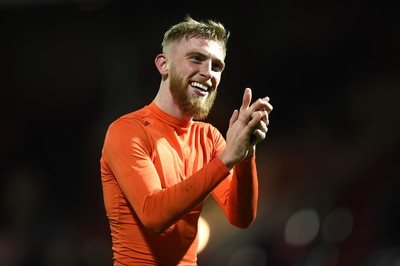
pixel 178 156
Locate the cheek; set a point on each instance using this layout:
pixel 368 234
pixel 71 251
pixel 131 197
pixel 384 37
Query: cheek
pixel 187 71
pixel 217 79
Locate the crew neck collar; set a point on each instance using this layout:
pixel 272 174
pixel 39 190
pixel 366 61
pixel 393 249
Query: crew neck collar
pixel 172 120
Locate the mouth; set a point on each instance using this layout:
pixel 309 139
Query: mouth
pixel 203 89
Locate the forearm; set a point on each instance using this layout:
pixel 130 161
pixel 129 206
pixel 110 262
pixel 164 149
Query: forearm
pixel 165 207
pixel 243 196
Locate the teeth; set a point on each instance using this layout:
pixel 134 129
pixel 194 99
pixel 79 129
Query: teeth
pixel 199 86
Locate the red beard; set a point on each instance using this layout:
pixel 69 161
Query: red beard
pixel 195 106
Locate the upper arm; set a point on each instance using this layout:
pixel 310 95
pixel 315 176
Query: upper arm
pixel 127 151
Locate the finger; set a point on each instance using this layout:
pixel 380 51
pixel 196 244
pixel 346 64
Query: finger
pixel 260 121
pixel 261 115
pixel 255 119
pixel 259 132
pixel 261 125
pixel 257 136
pixel 234 117
pixel 269 107
pixel 246 99
pixel 265 117
pixel 261 104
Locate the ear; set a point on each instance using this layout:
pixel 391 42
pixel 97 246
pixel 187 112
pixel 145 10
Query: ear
pixel 161 64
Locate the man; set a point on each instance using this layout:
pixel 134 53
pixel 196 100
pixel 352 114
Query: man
pixel 161 162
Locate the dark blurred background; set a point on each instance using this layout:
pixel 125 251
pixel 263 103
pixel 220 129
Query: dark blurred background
pixel 329 170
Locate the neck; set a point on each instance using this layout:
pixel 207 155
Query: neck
pixel 166 102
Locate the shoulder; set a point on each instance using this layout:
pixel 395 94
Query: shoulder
pixel 134 118
pixel 128 123
pixel 126 132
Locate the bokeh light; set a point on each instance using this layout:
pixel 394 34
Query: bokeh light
pixel 204 234
pixel 337 225
pixel 302 227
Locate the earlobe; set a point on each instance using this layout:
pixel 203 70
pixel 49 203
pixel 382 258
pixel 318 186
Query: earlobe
pixel 161 64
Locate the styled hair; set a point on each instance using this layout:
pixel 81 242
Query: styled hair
pixel 190 28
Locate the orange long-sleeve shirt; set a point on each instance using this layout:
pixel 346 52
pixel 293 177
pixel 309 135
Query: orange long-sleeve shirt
pixel 156 171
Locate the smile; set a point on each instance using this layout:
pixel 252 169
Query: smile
pixel 199 86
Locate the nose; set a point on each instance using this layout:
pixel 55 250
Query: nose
pixel 206 69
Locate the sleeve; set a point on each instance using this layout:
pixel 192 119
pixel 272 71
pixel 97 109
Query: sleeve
pixel 127 150
pixel 237 195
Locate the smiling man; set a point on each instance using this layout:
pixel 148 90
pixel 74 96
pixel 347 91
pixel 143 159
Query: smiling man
pixel 161 162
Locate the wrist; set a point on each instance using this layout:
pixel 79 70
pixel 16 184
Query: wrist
pixel 251 152
pixel 225 160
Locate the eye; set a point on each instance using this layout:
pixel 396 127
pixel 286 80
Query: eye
pixel 196 58
pixel 217 67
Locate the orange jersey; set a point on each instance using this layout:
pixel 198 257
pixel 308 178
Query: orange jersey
pixel 156 171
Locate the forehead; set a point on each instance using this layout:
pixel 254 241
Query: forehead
pixel 201 45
